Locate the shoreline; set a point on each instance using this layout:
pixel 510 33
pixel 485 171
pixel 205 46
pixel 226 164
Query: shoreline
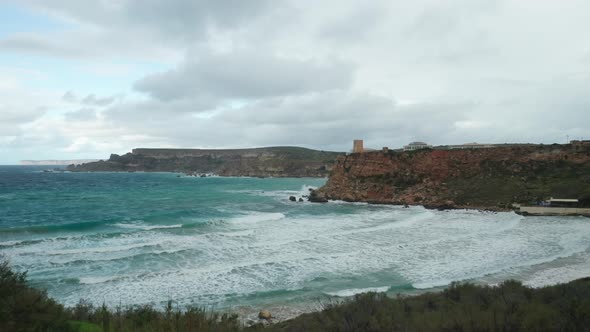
pixel 545 212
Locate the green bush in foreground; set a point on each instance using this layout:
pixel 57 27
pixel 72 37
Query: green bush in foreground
pixel 461 307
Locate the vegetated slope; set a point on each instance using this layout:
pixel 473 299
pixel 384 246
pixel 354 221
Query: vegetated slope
pixel 258 162
pixel 480 178
pixel 461 307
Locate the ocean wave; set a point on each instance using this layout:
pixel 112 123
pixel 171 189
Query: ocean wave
pixel 11 243
pixel 257 217
pixel 353 291
pixel 99 280
pixel 547 278
pixel 7 196
pixel 80 226
pixel 146 227
pixel 237 233
pixel 280 195
pixel 99 249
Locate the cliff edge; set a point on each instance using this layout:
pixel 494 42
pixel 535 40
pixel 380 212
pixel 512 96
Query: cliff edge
pixel 490 178
pixel 257 162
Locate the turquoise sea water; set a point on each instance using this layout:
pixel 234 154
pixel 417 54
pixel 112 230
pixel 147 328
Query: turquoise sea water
pixel 239 243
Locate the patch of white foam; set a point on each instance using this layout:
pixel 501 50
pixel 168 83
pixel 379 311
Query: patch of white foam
pixel 354 291
pixel 100 249
pixel 257 217
pixel 238 233
pixel 10 243
pixel 146 227
pixel 560 274
pixel 98 280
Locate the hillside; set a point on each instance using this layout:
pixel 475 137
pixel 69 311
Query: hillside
pixel 258 162
pixel 491 178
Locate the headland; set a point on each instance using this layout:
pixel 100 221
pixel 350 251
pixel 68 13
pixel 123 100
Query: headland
pixel 256 162
pixel 475 176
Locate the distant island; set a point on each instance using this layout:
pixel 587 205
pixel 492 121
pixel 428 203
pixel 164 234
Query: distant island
pixel 56 162
pixel 256 162
pixel 493 177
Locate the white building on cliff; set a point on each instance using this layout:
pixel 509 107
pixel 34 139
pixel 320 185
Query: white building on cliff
pixel 416 146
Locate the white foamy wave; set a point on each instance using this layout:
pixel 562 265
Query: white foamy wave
pixel 10 243
pixel 99 249
pixel 257 217
pixel 98 280
pixel 146 227
pixel 305 189
pixel 280 195
pixel 558 275
pixel 238 233
pixel 354 291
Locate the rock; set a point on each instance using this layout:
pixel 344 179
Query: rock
pixel 265 314
pixel 292 198
pixel 317 197
pixel 300 199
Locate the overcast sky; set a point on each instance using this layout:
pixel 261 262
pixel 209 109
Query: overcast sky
pixel 83 79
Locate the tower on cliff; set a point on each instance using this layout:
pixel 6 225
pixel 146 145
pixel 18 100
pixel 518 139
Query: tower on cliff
pixel 357 146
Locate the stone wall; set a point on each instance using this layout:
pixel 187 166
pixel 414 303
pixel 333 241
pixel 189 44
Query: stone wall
pixel 553 211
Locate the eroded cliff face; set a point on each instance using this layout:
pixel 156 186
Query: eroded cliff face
pixel 490 178
pixel 258 162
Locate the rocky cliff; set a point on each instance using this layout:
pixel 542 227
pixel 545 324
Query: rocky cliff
pixel 258 162
pixel 491 178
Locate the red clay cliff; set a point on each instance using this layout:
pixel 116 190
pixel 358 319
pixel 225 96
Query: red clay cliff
pixel 489 178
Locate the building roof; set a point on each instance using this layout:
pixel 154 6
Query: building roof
pixel 417 143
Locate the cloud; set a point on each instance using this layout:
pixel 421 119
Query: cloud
pixel 89 100
pixel 246 75
pixel 42 45
pixel 83 114
pixel 260 73
pixel 144 29
pixel 94 101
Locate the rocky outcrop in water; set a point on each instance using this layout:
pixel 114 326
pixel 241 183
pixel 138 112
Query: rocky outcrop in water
pixel 258 162
pixel 491 178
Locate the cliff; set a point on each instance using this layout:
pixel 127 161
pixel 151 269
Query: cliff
pixel 491 178
pixel 258 162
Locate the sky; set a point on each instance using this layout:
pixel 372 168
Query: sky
pixel 84 79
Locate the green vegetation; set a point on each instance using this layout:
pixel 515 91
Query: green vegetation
pixel 502 183
pixel 461 307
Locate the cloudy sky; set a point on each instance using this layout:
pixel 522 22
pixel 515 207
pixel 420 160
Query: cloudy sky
pixel 83 79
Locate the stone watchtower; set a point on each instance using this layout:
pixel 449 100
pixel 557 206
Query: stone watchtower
pixel 357 146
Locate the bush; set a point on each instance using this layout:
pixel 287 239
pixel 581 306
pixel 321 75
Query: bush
pixel 24 308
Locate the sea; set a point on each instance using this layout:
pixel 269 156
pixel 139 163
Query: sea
pixel 239 244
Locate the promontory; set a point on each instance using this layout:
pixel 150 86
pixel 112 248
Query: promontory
pixel 256 162
pixel 485 177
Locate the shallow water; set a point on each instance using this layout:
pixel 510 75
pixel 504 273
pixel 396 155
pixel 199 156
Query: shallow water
pixel 133 238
